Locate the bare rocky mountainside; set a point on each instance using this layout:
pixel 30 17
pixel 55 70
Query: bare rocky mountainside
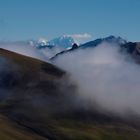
pixel 38 102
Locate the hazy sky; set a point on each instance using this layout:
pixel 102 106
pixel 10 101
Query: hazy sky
pixel 31 19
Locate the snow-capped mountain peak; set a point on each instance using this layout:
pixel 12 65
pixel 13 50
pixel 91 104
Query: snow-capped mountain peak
pixel 62 41
pixel 42 42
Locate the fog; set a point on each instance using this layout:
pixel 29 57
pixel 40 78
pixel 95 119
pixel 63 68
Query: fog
pixel 24 48
pixel 104 75
pixel 51 52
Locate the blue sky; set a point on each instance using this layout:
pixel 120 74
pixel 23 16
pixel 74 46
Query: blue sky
pixel 32 19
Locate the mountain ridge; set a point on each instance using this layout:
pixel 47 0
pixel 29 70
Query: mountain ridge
pixel 129 47
pixel 42 102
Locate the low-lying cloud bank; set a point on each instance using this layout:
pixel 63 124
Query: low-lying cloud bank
pixel 24 48
pixel 28 49
pixel 104 75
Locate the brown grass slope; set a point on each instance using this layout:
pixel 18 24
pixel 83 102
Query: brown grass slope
pixel 37 102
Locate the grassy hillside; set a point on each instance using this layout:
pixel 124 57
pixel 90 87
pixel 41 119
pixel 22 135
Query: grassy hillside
pixel 9 130
pixel 37 102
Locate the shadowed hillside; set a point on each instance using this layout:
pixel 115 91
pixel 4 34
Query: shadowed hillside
pixel 38 102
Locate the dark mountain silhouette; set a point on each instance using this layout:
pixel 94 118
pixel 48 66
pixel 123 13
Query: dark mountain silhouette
pixel 74 46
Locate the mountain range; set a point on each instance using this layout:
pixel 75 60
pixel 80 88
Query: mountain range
pixel 48 50
pixel 62 41
pixel 65 43
pixel 38 101
pixel 129 47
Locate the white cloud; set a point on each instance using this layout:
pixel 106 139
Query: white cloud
pixel 80 38
pixel 24 48
pixel 105 77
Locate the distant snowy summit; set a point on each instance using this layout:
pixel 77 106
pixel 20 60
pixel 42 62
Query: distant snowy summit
pixel 52 47
pixel 64 42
